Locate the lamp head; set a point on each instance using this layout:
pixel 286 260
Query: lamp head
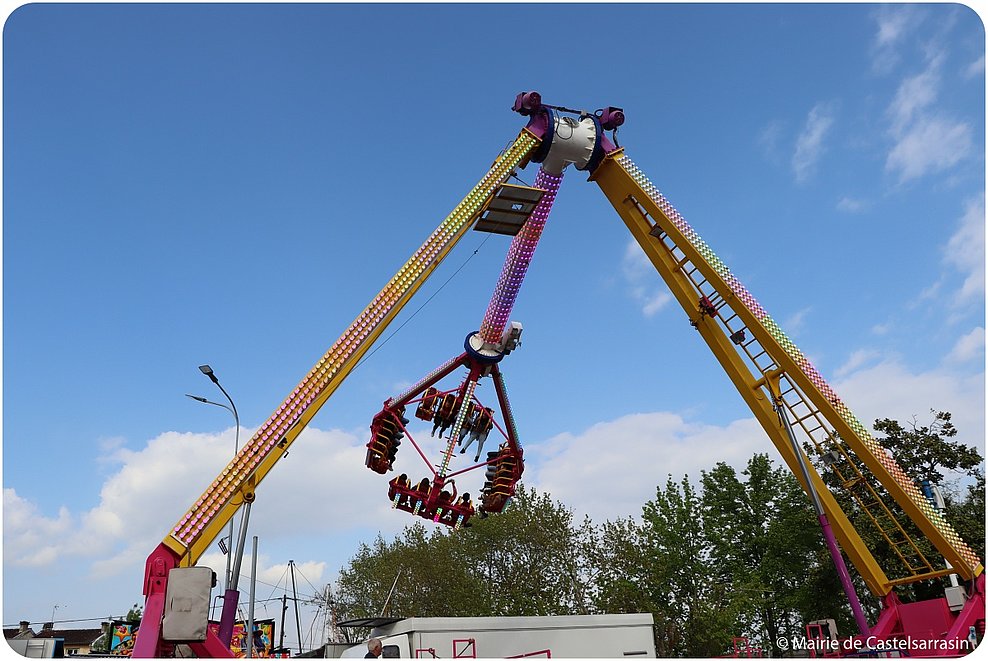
pixel 208 371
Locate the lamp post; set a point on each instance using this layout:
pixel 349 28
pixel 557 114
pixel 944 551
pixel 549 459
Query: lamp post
pixel 231 596
pixel 208 371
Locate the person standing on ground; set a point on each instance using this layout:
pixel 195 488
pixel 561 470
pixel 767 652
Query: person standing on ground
pixel 373 648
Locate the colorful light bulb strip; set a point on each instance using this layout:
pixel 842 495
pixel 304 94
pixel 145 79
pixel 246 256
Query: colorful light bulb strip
pixel 454 433
pixel 223 489
pixel 518 259
pixel 804 364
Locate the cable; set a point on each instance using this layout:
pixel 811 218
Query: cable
pixel 434 294
pixel 308 581
pixel 275 587
pixel 524 183
pixel 81 619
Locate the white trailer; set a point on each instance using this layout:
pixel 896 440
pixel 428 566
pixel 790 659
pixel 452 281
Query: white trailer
pixel 555 636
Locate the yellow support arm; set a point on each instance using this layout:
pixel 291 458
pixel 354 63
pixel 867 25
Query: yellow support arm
pixel 212 511
pixel 707 290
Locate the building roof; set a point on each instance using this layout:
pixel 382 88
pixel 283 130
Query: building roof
pixel 72 636
pixel 11 634
pixel 69 636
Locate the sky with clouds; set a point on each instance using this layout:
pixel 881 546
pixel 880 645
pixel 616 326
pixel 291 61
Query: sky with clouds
pixel 231 184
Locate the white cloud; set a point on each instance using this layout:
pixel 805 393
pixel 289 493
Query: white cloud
pixel 850 205
pixel 976 68
pixel 796 321
pixel 888 389
pixel 153 487
pixel 654 303
pixel 810 143
pixel 914 95
pixel 924 141
pixel 894 25
pixel 770 140
pixel 31 539
pixel 882 329
pixel 964 254
pixel 929 145
pixel 611 469
pixel 856 360
pixel 107 446
pixel 607 470
pixel 268 573
pixel 644 284
pixel 965 251
pixel 968 348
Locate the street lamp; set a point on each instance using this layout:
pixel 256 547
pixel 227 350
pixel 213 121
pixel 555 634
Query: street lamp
pixel 208 371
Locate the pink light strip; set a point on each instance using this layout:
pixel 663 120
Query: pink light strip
pixel 518 259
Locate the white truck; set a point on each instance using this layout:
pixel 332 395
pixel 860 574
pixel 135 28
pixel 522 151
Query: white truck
pixel 566 636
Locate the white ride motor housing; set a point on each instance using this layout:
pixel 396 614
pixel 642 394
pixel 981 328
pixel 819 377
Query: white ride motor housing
pixel 573 141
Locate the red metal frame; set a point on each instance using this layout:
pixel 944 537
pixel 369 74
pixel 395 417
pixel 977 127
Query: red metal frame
pixel 931 619
pixel 903 628
pixel 462 653
pixel 747 651
pixel 547 653
pixel 427 504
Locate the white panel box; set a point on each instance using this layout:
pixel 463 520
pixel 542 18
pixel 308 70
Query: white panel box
pixel 187 604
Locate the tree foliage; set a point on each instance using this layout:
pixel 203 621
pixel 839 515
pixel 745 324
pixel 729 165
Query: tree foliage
pixel 525 561
pixel 729 555
pixel 926 451
pixel 930 454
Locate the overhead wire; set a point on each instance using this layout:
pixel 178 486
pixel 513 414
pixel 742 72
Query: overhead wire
pixel 426 302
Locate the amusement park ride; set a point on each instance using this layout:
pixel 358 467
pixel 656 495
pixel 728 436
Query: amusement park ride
pixel 810 426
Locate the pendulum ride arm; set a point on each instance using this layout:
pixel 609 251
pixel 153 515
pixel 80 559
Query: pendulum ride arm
pixel 519 258
pixel 502 301
pixel 768 370
pixel 483 347
pixel 199 526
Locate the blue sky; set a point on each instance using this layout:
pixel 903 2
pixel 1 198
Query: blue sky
pixel 231 184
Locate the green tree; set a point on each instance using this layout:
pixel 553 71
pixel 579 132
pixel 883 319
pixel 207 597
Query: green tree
pixel 525 561
pixel 629 577
pixel 529 558
pixel 698 605
pixel 429 582
pixel 926 451
pixel 767 546
pixel 624 571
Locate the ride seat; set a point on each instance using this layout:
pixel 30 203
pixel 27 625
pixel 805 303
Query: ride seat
pixel 427 407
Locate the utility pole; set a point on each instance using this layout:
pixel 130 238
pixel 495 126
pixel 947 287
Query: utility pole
pixel 331 637
pixel 251 652
pixel 284 607
pixel 298 622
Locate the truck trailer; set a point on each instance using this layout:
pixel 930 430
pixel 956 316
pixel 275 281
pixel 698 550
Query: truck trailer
pixel 559 636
